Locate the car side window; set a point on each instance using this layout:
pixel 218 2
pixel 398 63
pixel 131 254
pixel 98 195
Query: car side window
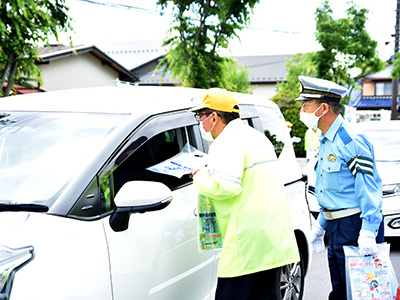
pixel 274 127
pixel 158 148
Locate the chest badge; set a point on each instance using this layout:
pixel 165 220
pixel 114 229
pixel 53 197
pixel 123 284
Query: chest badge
pixel 331 157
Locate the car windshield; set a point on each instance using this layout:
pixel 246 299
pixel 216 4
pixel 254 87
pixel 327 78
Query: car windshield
pixel 386 143
pixel 41 152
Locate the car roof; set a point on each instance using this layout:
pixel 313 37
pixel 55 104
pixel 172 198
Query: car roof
pixel 122 100
pixel 379 125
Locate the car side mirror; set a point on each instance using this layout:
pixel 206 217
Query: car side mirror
pixel 138 197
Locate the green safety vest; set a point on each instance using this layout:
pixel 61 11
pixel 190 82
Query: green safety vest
pixel 311 139
pixel 242 178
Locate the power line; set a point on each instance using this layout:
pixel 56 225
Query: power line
pixel 124 6
pixel 153 11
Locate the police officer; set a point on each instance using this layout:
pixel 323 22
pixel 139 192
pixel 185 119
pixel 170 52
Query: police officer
pixel 348 187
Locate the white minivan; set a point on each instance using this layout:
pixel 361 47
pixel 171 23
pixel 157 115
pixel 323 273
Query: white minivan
pixel 82 217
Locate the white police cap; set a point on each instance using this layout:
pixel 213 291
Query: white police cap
pixel 316 88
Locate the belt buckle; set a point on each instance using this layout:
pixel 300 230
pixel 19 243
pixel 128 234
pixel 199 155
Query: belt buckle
pixel 327 214
pixel 340 213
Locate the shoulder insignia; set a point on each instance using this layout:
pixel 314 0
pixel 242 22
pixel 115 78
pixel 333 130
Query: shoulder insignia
pixel 344 136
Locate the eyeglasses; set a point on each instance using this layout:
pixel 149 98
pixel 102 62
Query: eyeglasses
pixel 199 115
pixel 303 105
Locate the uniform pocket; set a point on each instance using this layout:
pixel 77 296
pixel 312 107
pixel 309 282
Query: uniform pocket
pixel 333 177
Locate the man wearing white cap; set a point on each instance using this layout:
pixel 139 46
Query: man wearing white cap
pixel 348 186
pixel 241 178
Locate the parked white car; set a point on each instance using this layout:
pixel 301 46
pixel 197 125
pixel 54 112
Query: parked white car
pixel 385 137
pixel 82 218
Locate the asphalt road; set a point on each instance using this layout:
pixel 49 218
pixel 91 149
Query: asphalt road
pixel 317 283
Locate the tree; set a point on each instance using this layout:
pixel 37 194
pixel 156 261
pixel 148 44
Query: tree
pixel 395 73
pixel 347 46
pixel 299 64
pixel 24 23
pixel 202 28
pixel 235 77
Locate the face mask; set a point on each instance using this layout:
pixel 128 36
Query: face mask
pixel 206 134
pixel 310 119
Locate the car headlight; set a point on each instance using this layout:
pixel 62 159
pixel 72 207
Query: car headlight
pixel 391 189
pixel 11 260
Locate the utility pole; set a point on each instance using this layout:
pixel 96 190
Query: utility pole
pixel 395 81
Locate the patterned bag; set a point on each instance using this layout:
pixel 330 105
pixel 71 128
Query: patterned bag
pixel 370 277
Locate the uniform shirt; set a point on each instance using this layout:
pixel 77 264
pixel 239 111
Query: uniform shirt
pixel 242 179
pixel 347 176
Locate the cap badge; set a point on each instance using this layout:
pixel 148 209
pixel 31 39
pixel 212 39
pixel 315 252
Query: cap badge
pixel 331 157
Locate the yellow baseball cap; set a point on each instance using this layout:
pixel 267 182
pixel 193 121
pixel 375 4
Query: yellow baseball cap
pixel 218 99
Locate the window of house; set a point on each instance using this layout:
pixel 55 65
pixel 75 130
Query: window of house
pixel 383 88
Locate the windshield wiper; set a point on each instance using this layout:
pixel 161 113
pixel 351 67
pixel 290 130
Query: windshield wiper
pixel 24 207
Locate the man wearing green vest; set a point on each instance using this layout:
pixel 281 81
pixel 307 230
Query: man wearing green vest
pixel 241 178
pixel 311 142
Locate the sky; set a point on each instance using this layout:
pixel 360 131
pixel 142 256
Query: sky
pixel 276 27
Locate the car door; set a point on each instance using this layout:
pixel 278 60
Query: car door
pixel 157 256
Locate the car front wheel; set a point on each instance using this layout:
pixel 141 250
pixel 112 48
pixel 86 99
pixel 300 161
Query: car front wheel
pixel 291 281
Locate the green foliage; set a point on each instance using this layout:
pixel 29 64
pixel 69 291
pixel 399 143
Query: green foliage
pixel 300 64
pixel 235 77
pixel 200 29
pixel 278 145
pixel 24 23
pixel 347 46
pixel 291 112
pixel 396 66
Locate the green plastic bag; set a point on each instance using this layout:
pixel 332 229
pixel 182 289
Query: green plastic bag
pixel 209 233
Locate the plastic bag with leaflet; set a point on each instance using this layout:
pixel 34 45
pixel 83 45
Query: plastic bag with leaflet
pixel 370 277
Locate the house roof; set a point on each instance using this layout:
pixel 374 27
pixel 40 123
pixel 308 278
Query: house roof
pixel 384 74
pixel 384 102
pixel 262 69
pixel 136 55
pixel 61 51
pixel 355 94
pixel 132 54
pixel 148 75
pixel 372 102
pixel 265 68
pixel 369 102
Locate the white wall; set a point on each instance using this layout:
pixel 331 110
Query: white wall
pixel 84 70
pixel 264 90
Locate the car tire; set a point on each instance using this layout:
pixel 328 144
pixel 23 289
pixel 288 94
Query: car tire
pixel 291 281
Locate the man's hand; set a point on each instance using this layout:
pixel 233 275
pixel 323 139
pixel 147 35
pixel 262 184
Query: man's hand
pixel 367 243
pixel 193 173
pixel 317 234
